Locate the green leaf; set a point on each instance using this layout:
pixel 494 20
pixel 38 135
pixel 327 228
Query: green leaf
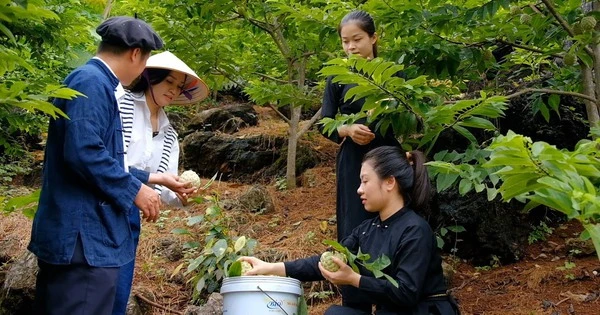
pixel 440 242
pixel 465 133
pixel 27 203
pixel 391 280
pixel 195 220
pixel 180 231
pixel 554 102
pixel 465 186
pixel 594 233
pixel 235 270
pixel 8 33
pixel 302 307
pixel 239 244
pixel 456 228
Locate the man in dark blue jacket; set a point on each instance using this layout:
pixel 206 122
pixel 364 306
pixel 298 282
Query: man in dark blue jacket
pixel 80 232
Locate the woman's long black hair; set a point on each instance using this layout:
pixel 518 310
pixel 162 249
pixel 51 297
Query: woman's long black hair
pixel 364 21
pixel 150 76
pixel 411 175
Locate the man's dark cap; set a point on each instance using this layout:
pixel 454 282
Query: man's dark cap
pixel 126 31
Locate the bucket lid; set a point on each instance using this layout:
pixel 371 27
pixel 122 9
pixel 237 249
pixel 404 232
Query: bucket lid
pixel 261 283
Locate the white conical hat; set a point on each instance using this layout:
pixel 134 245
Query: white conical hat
pixel 195 89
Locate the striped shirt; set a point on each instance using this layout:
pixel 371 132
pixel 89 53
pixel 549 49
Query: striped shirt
pixel 152 153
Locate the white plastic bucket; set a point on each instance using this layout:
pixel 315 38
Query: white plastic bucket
pixel 258 295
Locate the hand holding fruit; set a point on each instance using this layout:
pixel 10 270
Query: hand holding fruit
pixel 190 177
pixel 334 268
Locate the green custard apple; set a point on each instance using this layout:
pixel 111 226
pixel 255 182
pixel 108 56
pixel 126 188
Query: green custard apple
pixel 327 261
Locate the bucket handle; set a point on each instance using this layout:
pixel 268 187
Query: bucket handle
pixel 261 290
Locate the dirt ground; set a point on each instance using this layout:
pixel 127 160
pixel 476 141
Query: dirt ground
pixel 305 216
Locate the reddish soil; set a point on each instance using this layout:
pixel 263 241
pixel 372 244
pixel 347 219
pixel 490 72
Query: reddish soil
pixel 304 216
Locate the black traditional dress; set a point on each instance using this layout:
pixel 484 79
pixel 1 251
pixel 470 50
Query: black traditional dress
pixel 349 209
pixel 408 241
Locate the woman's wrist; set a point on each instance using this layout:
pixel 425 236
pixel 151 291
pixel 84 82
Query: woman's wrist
pixel 343 131
pixel 155 178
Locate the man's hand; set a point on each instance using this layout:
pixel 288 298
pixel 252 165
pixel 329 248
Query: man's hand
pixel 148 201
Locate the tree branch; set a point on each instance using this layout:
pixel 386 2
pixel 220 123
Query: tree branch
pixel 266 76
pixel 311 122
pixel 536 50
pixel 550 91
pixel 287 120
pixel 480 44
pixel 564 24
pixel 260 24
pixel 141 297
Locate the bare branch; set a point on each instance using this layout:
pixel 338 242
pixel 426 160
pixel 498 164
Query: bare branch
pixel 550 91
pixel 141 297
pixel 309 124
pixel 287 120
pixel 266 76
pixel 529 48
pixel 107 9
pixel 227 75
pixel 480 44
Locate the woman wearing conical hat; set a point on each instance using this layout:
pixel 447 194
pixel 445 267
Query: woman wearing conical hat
pixel 150 141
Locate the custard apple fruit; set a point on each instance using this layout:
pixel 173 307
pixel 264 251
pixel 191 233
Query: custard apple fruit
pixel 246 266
pixel 514 10
pixel 588 23
pixel 525 19
pixel 191 177
pixel 327 261
pixel 570 59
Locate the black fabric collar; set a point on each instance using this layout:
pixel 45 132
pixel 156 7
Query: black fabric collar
pixel 394 217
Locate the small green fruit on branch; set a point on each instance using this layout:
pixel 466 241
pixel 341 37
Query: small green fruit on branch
pixel 525 18
pixel 570 59
pixel 588 23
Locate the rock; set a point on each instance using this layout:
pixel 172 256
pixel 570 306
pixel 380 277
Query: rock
pixel 208 153
pixel 227 119
pixel 139 295
pixel 579 247
pixel 174 252
pixel 257 199
pixel 133 307
pixel 171 249
pixel 449 272
pixel 214 306
pixel 493 228
pixel 308 178
pixel 306 158
pixel 179 121
pixel 18 291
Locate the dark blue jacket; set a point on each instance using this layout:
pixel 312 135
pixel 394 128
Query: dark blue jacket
pixel 85 189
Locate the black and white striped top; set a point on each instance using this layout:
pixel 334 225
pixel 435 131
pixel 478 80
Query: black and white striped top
pixel 152 153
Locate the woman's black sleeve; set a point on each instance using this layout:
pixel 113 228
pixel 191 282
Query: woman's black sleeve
pixel 330 108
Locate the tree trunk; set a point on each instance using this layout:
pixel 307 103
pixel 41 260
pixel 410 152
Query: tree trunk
pixel 593 115
pixel 294 131
pixel 588 89
pixel 107 9
pixel 290 174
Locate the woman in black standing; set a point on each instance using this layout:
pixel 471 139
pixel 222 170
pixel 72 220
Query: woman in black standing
pixel 358 36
